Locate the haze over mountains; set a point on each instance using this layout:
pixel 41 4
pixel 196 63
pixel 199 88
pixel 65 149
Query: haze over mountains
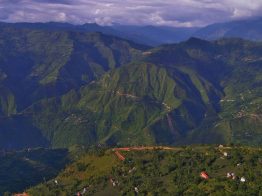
pixel 64 85
pixel 155 35
pixel 247 29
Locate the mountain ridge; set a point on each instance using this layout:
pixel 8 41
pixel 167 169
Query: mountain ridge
pixel 156 35
pixel 111 91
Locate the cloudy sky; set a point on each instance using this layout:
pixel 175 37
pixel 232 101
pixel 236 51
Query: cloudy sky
pixel 137 12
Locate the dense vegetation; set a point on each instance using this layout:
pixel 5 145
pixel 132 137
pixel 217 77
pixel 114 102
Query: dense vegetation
pixel 39 64
pixel 89 88
pixel 22 169
pixel 211 99
pixel 36 64
pixel 159 172
pixel 60 88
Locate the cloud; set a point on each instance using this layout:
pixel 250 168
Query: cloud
pixel 135 12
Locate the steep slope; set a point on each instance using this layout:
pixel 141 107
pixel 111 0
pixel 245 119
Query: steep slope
pixel 35 64
pixel 7 101
pixel 241 114
pixel 172 94
pixel 38 64
pixel 140 103
pixel 232 66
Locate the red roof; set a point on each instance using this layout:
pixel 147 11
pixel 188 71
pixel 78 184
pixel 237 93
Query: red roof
pixel 204 175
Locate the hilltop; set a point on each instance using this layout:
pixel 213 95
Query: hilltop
pixel 171 172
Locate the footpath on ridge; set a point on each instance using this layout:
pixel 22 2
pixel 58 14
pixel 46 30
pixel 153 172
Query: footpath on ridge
pixel 122 158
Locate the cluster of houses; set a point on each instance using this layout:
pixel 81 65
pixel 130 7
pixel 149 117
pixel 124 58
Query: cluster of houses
pixel 114 182
pixel 229 175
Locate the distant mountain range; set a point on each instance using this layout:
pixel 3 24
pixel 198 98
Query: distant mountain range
pixel 250 29
pixel 61 88
pixel 247 29
pixel 154 35
pixel 147 35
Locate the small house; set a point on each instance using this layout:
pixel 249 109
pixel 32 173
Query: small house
pixel 242 179
pixel 204 175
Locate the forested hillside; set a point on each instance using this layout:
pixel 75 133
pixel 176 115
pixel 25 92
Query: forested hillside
pixel 61 88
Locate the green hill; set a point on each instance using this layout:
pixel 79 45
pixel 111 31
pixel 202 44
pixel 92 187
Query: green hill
pixel 158 172
pixel 36 64
pixel 195 92
pixel 89 88
pixel 139 103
